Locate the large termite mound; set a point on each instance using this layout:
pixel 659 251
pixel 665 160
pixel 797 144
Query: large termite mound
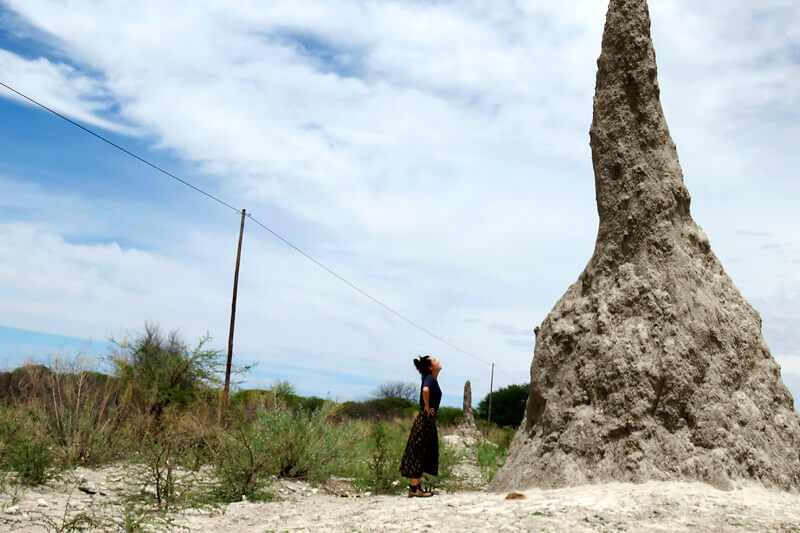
pixel 652 365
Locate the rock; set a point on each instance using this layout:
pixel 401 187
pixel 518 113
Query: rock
pixel 652 366
pixel 41 503
pixel 88 488
pixel 467 428
pixel 516 496
pixel 13 510
pixel 338 486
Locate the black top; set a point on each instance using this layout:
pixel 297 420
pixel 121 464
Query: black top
pixel 435 392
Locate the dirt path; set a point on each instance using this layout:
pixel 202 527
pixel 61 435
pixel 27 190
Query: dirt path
pixel 654 506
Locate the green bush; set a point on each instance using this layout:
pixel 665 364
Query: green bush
pixel 503 436
pixel 492 452
pixel 308 445
pixel 376 466
pixel 449 416
pixel 381 462
pixel 84 417
pixel 312 403
pixel 241 462
pixel 508 405
pixel 274 398
pixel 379 409
pixel 80 410
pixel 283 390
pixel 247 402
pixel 490 458
pixel 162 371
pixel 289 435
pixel 332 446
pixel 299 444
pixel 26 448
pixel 252 396
pixel 159 450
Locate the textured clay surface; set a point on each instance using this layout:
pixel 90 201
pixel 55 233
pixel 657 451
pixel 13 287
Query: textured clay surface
pixel 467 427
pixel 652 366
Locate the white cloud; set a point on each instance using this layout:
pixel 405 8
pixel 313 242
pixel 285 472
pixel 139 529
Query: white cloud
pixel 436 153
pixel 61 88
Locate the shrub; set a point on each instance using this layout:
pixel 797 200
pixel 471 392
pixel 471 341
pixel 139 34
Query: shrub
pixel 162 371
pixel 508 405
pixel 171 450
pixel 81 410
pixel 283 443
pixel 449 416
pixel 312 403
pixel 307 445
pixel 14 385
pixel 379 409
pixel 501 436
pixel 283 389
pixel 492 452
pixel 84 416
pixel 245 404
pixel 241 462
pixel 377 467
pixel 26 448
pixel 158 452
pixel 252 397
pixel 381 462
pixel 399 389
pixel 490 458
pixel 279 395
pixel 331 447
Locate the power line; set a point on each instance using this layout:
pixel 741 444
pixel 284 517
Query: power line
pixel 256 221
pixel 118 147
pixel 363 292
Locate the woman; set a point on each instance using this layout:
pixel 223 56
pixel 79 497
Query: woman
pixel 422 449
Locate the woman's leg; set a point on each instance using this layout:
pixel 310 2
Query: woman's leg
pixel 415 488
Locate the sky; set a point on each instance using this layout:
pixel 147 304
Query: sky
pixel 436 154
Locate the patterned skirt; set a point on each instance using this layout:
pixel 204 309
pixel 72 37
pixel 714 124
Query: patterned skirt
pixel 422 449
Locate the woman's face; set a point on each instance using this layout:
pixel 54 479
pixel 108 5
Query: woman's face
pixel 436 366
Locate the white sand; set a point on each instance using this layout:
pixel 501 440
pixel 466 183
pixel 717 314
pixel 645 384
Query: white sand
pixel 648 507
pixel 654 506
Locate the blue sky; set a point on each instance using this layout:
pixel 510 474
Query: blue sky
pixel 434 153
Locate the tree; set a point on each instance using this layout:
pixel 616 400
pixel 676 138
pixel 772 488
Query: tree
pixel 283 389
pixel 508 405
pixel 162 370
pixel 398 389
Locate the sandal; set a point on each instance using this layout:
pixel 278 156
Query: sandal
pixel 415 491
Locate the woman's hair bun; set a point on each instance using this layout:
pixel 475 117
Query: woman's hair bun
pixel 423 364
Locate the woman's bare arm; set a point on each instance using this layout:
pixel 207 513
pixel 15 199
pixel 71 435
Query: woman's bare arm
pixel 426 398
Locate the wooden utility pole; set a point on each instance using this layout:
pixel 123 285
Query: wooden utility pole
pixel 491 385
pixel 233 318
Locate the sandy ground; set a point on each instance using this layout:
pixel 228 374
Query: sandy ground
pixel 654 506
